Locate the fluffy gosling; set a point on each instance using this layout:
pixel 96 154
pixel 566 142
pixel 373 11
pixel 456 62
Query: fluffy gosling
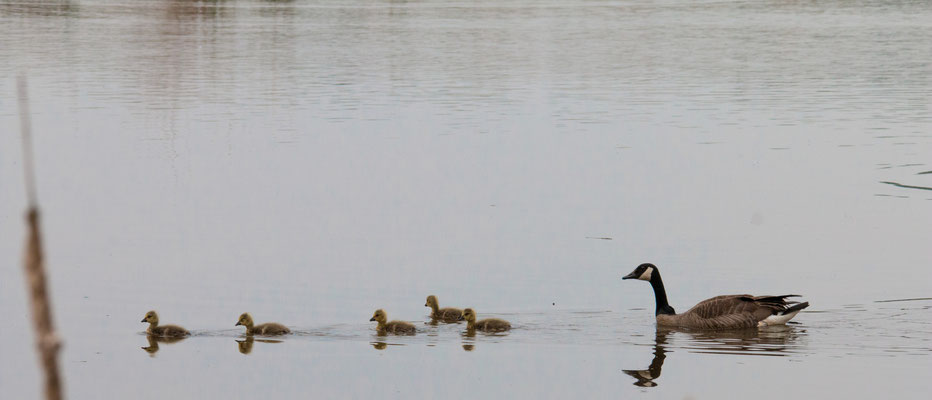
pixel 485 325
pixel 267 329
pixel 394 327
pixel 447 314
pixel 163 331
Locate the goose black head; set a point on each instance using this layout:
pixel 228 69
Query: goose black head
pixel 643 272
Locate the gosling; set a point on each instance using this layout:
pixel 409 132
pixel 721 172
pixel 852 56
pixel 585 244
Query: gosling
pixel 485 325
pixel 267 329
pixel 448 314
pixel 394 327
pixel 162 331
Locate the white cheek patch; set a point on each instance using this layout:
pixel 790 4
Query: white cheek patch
pixel 645 276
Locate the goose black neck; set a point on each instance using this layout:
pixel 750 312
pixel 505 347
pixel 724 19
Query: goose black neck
pixel 660 294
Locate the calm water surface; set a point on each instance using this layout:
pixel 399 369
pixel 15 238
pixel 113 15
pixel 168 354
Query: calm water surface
pixel 311 161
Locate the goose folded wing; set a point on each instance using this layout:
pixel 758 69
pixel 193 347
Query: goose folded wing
pixel 722 305
pixel 732 311
pixel 775 303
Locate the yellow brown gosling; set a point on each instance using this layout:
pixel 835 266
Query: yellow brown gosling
pixel 448 314
pixel 485 325
pixel 268 329
pixel 394 327
pixel 163 331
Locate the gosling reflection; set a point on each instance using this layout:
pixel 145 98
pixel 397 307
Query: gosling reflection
pixel 469 339
pixel 154 341
pixel 770 341
pixel 380 344
pixel 245 345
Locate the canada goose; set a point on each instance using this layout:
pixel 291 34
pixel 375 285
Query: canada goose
pixel 268 329
pixel 720 312
pixel 165 330
pixel 394 327
pixel 447 314
pixel 486 325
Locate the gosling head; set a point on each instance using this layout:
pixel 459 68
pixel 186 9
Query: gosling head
pixel 151 317
pixel 431 301
pixel 468 315
pixel 245 320
pixel 379 316
pixel 643 272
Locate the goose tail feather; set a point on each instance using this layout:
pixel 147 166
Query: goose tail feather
pixel 782 317
pixel 796 307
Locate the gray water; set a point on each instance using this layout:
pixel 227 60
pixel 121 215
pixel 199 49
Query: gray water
pixel 311 161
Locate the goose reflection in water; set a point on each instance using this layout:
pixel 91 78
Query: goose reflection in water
pixel 469 339
pixel 154 341
pixel 778 341
pixel 645 377
pixel 380 344
pixel 769 341
pixel 245 345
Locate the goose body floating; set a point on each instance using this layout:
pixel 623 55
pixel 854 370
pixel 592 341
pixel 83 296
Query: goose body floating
pixel 447 314
pixel 162 331
pixel 485 325
pixel 267 329
pixel 734 311
pixel 393 327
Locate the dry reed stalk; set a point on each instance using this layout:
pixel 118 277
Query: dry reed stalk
pixel 47 341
